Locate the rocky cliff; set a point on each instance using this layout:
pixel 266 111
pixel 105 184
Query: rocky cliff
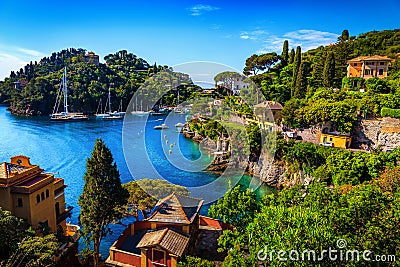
pixel 381 133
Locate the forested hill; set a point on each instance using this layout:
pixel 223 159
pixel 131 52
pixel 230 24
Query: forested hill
pixel 123 73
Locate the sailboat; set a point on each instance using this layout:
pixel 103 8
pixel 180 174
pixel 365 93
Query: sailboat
pixel 109 115
pixel 141 111
pixel 65 115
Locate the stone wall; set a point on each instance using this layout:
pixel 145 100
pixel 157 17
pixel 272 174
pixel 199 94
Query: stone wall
pixel 381 133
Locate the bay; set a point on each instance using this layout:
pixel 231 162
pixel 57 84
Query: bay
pixel 62 148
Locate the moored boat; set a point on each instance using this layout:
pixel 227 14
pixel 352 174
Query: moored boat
pixel 65 115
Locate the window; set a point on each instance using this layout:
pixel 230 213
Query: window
pixel 37 198
pixel 47 193
pixel 355 64
pixel 158 256
pixel 19 202
pixel 367 72
pixel 57 206
pixel 371 63
pixel 382 63
pixel 330 139
pixel 42 196
pixel 380 71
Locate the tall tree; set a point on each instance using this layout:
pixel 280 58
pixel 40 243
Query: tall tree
pixel 102 198
pixel 329 70
pixel 285 53
pixel 301 82
pixel 296 67
pixel 291 56
pixel 251 65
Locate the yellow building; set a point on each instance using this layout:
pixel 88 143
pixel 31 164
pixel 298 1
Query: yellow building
pixel 335 140
pixel 368 66
pixel 31 194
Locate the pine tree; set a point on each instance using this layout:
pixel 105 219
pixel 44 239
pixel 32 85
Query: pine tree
pixel 155 68
pixel 291 56
pixel 296 67
pixel 318 69
pixel 285 53
pixel 329 70
pixel 301 82
pixel 102 197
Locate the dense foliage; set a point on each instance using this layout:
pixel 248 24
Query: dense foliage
pixel 313 85
pixel 314 218
pixel 87 83
pixel 20 247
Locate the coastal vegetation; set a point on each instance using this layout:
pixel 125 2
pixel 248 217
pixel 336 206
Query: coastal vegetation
pixel 19 245
pixel 102 198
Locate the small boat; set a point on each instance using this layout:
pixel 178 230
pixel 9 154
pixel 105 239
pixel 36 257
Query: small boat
pixel 179 124
pixel 65 115
pixel 116 115
pixel 161 127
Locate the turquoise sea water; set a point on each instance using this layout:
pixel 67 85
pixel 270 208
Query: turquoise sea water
pixel 63 148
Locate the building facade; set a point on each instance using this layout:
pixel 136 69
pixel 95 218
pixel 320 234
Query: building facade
pixel 30 193
pixel 368 66
pixel 92 58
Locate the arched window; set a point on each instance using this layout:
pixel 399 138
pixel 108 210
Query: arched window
pixel 47 193
pixel 37 198
pixel 42 196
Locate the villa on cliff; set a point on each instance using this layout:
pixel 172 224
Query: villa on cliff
pixel 368 66
pixel 38 197
pixel 173 230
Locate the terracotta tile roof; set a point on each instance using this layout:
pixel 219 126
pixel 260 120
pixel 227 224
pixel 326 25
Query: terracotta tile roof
pixel 7 168
pixel 176 209
pixel 273 105
pixel 370 58
pixel 168 239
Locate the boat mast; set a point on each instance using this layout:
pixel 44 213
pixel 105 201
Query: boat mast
pixel 65 88
pixel 109 101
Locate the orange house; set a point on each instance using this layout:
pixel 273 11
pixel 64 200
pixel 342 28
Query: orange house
pixel 38 197
pixel 173 230
pixel 368 66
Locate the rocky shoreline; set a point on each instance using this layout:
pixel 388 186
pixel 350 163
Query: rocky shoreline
pixel 274 173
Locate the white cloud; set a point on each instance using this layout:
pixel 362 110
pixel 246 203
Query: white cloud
pixel 200 9
pixel 306 38
pixel 13 58
pixel 30 52
pixel 253 35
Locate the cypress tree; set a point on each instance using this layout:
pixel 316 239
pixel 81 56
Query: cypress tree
pixel 291 56
pixel 102 197
pixel 285 53
pixel 296 66
pixel 301 82
pixel 329 70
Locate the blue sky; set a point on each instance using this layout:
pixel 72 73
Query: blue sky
pixel 174 32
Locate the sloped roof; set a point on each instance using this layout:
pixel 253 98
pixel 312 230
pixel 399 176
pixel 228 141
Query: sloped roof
pixel 176 208
pixel 273 105
pixel 370 58
pixel 7 168
pixel 166 238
